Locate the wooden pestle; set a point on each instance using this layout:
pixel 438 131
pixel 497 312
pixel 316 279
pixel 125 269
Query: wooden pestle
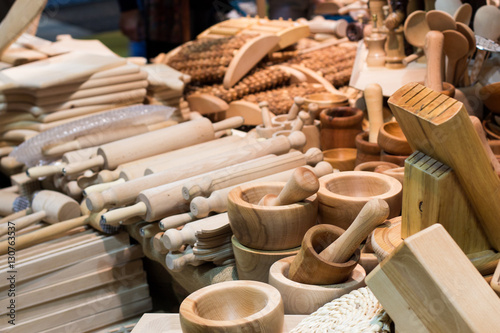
pixel 111 155
pixel 306 118
pixel 434 41
pixel 126 193
pixel 173 239
pixel 266 117
pixel 295 108
pixel 49 206
pixel 313 110
pixel 373 213
pixel 480 131
pixel 374 106
pixel 302 184
pixel 152 204
pixel 297 125
pixel 217 201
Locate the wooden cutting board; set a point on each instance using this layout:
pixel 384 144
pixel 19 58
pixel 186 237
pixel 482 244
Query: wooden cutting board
pixel 429 285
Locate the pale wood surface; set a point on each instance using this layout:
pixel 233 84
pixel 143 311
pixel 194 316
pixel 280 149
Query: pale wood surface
pixel 431 269
pixel 248 110
pixel 441 130
pixel 373 99
pixel 206 103
pixel 495 280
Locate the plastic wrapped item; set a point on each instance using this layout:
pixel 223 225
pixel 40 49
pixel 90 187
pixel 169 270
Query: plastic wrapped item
pixel 30 152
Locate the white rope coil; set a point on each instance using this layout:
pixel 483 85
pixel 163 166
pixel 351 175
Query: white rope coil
pixel 358 311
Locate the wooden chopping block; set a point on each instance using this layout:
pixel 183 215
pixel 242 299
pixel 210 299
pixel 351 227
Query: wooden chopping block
pixel 428 285
pixel 432 194
pixel 152 205
pixel 440 127
pixel 126 193
pixel 111 155
pixel 217 201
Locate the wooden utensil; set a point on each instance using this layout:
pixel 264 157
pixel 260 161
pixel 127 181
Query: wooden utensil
pixel 374 105
pixel 415 28
pixel 463 14
pixel 373 213
pixel 439 114
pixel 440 20
pixel 455 47
pixel 111 155
pixel 429 268
pixel 295 108
pixel 462 66
pixel 266 117
pixel 434 41
pixel 302 184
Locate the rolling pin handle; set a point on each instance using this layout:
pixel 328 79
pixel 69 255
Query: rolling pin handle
pixel 44 171
pixel 199 207
pixel 79 167
pixel 115 216
pixel 175 221
pixel 232 122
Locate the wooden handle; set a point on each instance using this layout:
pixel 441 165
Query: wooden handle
pixel 295 108
pixel 177 261
pixel 412 57
pixel 479 130
pixel 373 213
pixel 57 206
pixel 102 187
pixel 45 170
pixel 175 221
pixel 22 222
pixel 433 49
pixel 306 118
pixel 79 167
pixel 301 185
pixel 233 122
pixel 38 236
pixel 266 117
pixel 297 125
pixel 374 106
pixel 115 216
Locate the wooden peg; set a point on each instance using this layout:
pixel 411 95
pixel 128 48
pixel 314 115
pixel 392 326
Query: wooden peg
pixel 434 41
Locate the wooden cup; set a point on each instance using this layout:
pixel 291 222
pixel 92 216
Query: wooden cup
pixel 342 159
pixel 366 151
pixel 392 140
pixel 301 298
pixel 342 195
pixel 339 127
pixel 233 306
pixel 269 227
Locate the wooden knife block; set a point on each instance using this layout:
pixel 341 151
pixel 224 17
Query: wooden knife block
pixel 432 194
pixel 428 285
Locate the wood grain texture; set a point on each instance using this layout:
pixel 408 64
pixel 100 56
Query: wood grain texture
pixel 440 127
pixel 428 284
pixel 495 280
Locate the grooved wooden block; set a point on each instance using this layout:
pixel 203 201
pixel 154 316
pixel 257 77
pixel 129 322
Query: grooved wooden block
pixel 432 194
pixel 428 285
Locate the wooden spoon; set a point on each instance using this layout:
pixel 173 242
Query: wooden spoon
pixel 455 47
pixel 440 21
pixel 462 77
pixel 415 29
pixel 301 185
pixel 463 14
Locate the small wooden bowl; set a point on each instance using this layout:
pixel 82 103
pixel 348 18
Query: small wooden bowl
pixel 341 158
pixel 366 151
pixel 253 264
pixel 325 100
pixel 269 227
pixel 371 166
pixel 392 139
pixel 301 298
pixel 342 195
pixel 233 306
pixel 267 132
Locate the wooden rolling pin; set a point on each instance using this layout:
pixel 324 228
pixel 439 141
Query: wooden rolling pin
pixel 433 48
pixel 152 204
pixel 217 201
pixel 111 155
pixel 440 127
pixel 126 193
pixel 374 105
pixel 302 184
pixel 373 213
pixel 173 239
pixel 48 206
pixel 208 184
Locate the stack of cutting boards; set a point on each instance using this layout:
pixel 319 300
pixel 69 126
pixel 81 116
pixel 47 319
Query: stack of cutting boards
pixel 76 283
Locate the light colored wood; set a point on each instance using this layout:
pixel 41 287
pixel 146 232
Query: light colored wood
pixel 241 305
pixel 247 57
pixel 484 141
pixel 440 21
pixel 342 195
pixel 248 110
pixel 86 110
pixel 424 132
pixel 433 194
pixel 302 184
pixel 18 20
pixel 433 48
pixel 416 28
pixel 495 280
pixel 206 103
pixel 392 140
pixel 18 55
pixel 374 104
pixel 294 110
pixel 314 77
pixel 265 113
pixel 436 283
pixel 217 201
pixel 126 193
pixel 386 238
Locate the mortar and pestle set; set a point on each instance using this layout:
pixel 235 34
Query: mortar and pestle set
pixel 269 220
pixel 326 266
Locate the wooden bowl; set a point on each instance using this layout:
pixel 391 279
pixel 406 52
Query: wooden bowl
pixel 267 132
pixel 341 158
pixel 269 227
pixel 342 195
pixel 392 139
pixel 371 166
pixel 325 100
pixel 399 160
pixel 253 264
pixel 366 151
pixel 339 127
pixel 233 306
pixel 301 298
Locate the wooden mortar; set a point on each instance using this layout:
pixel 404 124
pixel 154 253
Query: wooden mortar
pixel 342 159
pixel 339 127
pixel 392 140
pixel 233 306
pixel 366 151
pixel 342 195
